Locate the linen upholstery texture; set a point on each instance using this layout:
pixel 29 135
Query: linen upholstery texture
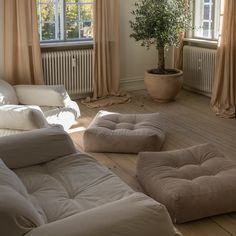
pixel 135 215
pixel 71 193
pixel 192 183
pixel 42 146
pixel 124 133
pixel 22 55
pixel 223 101
pixel 17 214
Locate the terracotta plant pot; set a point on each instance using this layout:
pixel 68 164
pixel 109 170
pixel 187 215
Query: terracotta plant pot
pixel 164 88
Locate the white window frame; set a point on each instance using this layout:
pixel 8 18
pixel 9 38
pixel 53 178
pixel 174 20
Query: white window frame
pixel 198 9
pixel 60 33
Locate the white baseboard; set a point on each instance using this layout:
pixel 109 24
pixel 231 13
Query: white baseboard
pixel 132 83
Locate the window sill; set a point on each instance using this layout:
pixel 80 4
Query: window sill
pixel 201 42
pixel 66 44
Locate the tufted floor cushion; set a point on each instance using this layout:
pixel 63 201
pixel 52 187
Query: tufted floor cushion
pixel 192 183
pixel 69 185
pixel 124 133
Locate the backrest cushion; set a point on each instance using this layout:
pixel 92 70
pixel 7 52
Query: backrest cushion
pixel 17 214
pixel 35 147
pixel 7 94
pixel 42 95
pixel 20 117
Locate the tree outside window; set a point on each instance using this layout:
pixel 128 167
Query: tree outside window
pixel 65 20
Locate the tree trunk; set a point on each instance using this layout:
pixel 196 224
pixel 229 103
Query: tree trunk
pixel 161 59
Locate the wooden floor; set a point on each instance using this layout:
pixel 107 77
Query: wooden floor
pixel 189 121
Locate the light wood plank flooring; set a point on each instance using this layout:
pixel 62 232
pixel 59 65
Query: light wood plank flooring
pixel 189 121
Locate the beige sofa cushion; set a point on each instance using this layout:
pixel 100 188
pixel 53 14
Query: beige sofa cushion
pixel 17 214
pixel 135 215
pixel 70 185
pixel 7 94
pixel 192 183
pixel 124 133
pixel 42 145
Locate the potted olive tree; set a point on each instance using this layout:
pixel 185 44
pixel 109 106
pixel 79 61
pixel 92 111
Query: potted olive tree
pixel 160 23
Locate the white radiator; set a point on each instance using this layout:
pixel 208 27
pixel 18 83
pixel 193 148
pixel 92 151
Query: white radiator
pixel 72 68
pixel 199 69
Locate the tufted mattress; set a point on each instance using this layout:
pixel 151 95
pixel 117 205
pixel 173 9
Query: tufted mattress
pixel 70 185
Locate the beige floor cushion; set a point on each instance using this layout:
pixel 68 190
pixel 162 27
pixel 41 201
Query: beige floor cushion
pixel 192 183
pixel 124 133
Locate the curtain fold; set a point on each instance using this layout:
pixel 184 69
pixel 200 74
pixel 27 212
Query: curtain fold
pixel 223 100
pixel 106 55
pixel 178 54
pixel 22 56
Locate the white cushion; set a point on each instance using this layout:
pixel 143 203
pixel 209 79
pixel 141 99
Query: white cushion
pixel 64 116
pixel 17 214
pixel 7 94
pixel 42 95
pixel 21 117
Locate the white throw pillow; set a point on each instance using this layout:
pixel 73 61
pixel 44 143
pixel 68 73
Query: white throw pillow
pixel 42 95
pixel 22 117
pixel 7 94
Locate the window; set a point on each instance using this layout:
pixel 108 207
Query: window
pixel 65 20
pixel 206 19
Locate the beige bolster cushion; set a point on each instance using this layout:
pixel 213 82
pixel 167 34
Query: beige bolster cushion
pixel 35 147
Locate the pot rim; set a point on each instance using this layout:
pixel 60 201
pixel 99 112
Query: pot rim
pixel 178 73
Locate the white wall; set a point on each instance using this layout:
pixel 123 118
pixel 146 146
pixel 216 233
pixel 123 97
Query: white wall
pixel 135 60
pixel 1 36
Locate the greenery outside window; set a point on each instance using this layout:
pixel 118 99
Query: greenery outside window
pixel 65 20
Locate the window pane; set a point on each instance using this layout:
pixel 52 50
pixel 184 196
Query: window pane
pixel 65 19
pixel 79 16
pixel 206 29
pixel 48 11
pixel 86 30
pixel 72 30
pixel 86 12
pixel 205 18
pixel 206 15
pixel 48 31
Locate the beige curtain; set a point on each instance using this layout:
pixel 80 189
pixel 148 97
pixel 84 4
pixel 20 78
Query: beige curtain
pixel 106 54
pixel 178 54
pixel 21 43
pixel 223 100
